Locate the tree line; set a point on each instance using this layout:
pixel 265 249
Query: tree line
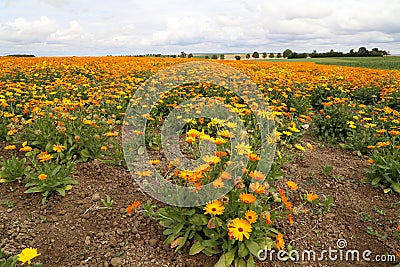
pixel 361 52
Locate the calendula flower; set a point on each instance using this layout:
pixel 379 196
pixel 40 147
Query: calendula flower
pixel 225 176
pixel 154 161
pixel 257 188
pixel 27 254
pixel 239 228
pixel 280 243
pixel 257 175
pixel 299 147
pixel 190 139
pixel 214 208
pixel 111 134
pixel 25 149
pixel 212 160
pixel 44 156
pixel 309 146
pixel 398 228
pixel 103 148
pixel 42 177
pixel 251 216
pixel 10 147
pixel 268 218
pixel 290 218
pixel 133 207
pixel 243 149
pixel 218 183
pixel 247 198
pixel 292 185
pixel 311 197
pixel 59 148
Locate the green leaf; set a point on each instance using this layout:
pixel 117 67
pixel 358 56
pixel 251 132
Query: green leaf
pixel 198 219
pixel 396 187
pixel 85 153
pixel 253 247
pixel 34 190
pixel 178 228
pixel 141 150
pixel 387 190
pixel 67 187
pixel 242 263
pixel 61 191
pixel 376 181
pixel 243 251
pixel 196 248
pixel 250 261
pixel 170 238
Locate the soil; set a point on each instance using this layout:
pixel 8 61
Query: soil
pixel 77 230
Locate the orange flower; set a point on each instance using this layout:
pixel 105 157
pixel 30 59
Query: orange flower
pixel 218 183
pixel 290 218
pixel 103 148
pixel 220 154
pixel 58 148
pixel 398 228
pixel 44 156
pixel 288 204
pixel 370 161
pixel 257 175
pixel 10 147
pixel 225 176
pixel 133 207
pixel 280 243
pixel 247 198
pixel 311 197
pixel 253 157
pixel 292 185
pixel 257 188
pixel 268 219
pixel 251 216
pixel 42 177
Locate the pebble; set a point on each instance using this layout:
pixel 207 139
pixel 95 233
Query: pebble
pixel 115 262
pixel 87 240
pixel 96 197
pixel 152 242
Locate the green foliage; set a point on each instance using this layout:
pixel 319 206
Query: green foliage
pixel 82 140
pixel 107 202
pixel 366 96
pixel 58 178
pixel 13 169
pixel 385 170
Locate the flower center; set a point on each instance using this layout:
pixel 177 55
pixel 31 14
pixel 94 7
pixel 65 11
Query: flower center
pixel 240 229
pixel 214 209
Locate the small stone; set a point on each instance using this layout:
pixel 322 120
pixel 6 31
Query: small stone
pixel 87 240
pixel 152 242
pixel 9 210
pixel 115 262
pixel 96 197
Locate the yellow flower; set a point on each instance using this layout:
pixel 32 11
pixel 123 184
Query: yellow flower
pixel 268 218
pixel 280 243
pixel 257 175
pixel 212 160
pixel 247 198
pixel 218 183
pixel 292 185
pixel 10 147
pixel 299 147
pixel 154 161
pixel 251 216
pixel 309 146
pixel 311 197
pixel 243 149
pixel 25 149
pixel 44 156
pixel 104 148
pixel 257 188
pixel 42 177
pixel 27 254
pixel 59 148
pixel 215 208
pixel 237 228
pixel 111 134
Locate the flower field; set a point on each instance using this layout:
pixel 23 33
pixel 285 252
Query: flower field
pixel 61 116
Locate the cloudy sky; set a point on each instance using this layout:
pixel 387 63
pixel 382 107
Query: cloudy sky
pixel 120 27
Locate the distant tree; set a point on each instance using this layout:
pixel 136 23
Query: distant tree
pixel 183 54
pixel 271 55
pixel 247 56
pixel 256 55
pixel 173 56
pixel 362 52
pixel 214 57
pixel 314 53
pixel 190 55
pixel 206 57
pixel 287 53
pixel 279 55
pixel 237 57
pixel 264 54
pixel 222 56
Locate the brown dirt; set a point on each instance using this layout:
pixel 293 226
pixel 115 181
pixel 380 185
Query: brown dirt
pixel 76 230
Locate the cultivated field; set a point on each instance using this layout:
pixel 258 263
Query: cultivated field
pixel 65 187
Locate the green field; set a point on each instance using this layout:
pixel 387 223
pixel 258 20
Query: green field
pixel 389 62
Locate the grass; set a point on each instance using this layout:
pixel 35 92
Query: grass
pixel 388 62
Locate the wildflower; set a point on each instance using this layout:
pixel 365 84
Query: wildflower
pixel 12 132
pixel 243 149
pixel 311 197
pixel 190 139
pixel 251 216
pixel 292 185
pixel 193 133
pixel 111 134
pixel 27 254
pixel 253 157
pixel 212 160
pixel 237 228
pixel 10 147
pixel 382 144
pixel 214 208
pixel 299 147
pixel 290 218
pixel 225 176
pixel 221 154
pixel 280 243
pixel 103 148
pixel 58 148
pixel 398 228
pixel 257 175
pixel 44 156
pixel 257 188
pixel 42 177
pixel 285 200
pixel 247 198
pixel 371 161
pixel 133 207
pixel 220 141
pixel 268 218
pixel 309 146
pixel 218 183
pixel 154 161
pixel 147 173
